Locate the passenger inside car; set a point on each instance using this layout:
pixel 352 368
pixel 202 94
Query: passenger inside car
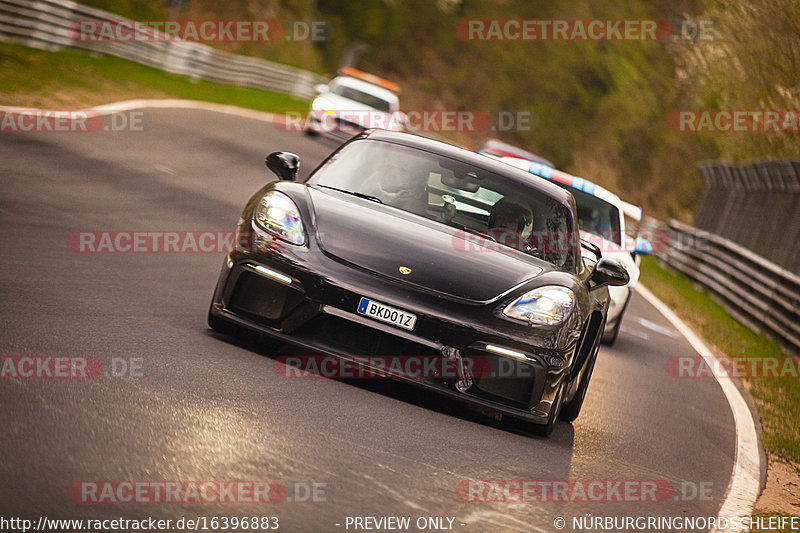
pixel 509 215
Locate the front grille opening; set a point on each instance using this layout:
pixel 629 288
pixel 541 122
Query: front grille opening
pixel 357 339
pixel 264 298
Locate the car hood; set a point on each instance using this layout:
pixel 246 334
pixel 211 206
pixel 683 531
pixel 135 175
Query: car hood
pixel 383 240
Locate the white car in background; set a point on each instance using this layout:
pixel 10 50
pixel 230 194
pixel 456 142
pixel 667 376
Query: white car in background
pixel 499 149
pixel 353 102
pixel 601 215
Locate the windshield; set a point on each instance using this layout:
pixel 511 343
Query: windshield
pixel 361 97
pixel 595 215
pixel 491 209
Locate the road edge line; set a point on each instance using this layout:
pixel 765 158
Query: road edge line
pixel 170 103
pixel 745 484
pixel 177 103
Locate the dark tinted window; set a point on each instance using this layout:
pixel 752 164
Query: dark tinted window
pixel 492 208
pixel 596 215
pixel 361 97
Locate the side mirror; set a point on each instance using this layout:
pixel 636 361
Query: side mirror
pixel 320 88
pixel 283 164
pixel 608 272
pixel 642 247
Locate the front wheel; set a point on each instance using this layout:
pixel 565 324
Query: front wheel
pixel 610 335
pixel 572 409
pixel 544 430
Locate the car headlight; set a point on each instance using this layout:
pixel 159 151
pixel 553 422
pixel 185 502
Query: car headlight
pixel 546 306
pixel 277 214
pixel 322 104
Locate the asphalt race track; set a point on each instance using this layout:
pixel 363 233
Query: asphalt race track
pixel 182 403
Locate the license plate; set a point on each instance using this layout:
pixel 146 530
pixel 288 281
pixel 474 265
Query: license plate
pixel 384 313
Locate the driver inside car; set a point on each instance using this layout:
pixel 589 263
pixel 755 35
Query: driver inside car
pixel 399 184
pixel 507 222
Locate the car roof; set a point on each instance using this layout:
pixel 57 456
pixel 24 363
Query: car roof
pixel 499 148
pixel 367 87
pixel 550 173
pixel 467 156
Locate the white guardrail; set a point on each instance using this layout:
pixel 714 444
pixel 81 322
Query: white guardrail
pixel 45 24
pixel 757 292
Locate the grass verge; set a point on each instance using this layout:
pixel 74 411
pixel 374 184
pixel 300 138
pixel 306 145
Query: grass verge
pixel 72 79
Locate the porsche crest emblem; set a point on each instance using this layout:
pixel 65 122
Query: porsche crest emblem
pixel 404 270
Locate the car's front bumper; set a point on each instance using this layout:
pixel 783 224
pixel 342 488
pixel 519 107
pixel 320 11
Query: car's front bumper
pixel 292 301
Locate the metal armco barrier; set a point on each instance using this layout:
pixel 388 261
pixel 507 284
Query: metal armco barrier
pixel 46 24
pixel 757 292
pixel 756 205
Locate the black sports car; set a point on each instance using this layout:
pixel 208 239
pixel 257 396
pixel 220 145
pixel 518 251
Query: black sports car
pixel 401 247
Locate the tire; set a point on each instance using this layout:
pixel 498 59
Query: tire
pixel 610 336
pixel 544 430
pixel 571 410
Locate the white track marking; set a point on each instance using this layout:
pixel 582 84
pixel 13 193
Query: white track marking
pixel 128 105
pixel 652 326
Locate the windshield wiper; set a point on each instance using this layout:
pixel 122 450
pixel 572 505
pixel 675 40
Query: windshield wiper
pixel 354 193
pixel 477 232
